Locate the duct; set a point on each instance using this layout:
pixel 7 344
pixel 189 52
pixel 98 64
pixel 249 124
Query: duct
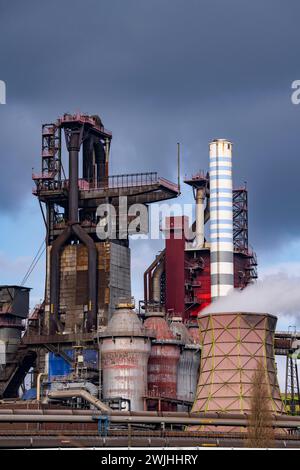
pixel 200 199
pixel 206 217
pixel 2 352
pixel 221 219
pixel 84 394
pixel 87 161
pixel 207 210
pixel 73 186
pixel 100 159
pixel 156 282
pixel 162 414
pixel 55 324
pixel 92 275
pixel 88 386
pixel 73 140
pixel 38 385
pixel 94 159
pixel 140 419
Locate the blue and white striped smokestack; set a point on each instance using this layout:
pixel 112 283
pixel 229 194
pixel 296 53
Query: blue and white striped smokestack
pixel 221 218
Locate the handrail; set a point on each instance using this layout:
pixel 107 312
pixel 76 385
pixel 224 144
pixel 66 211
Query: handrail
pixel 47 182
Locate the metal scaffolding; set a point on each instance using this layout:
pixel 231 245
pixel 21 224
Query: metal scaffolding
pixel 240 220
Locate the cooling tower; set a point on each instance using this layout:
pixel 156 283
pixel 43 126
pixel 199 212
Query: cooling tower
pixel 221 222
pixel 233 345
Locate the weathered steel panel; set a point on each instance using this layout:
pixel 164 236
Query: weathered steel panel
pixel 163 361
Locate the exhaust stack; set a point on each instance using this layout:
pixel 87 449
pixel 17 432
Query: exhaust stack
pixel 200 208
pixel 221 218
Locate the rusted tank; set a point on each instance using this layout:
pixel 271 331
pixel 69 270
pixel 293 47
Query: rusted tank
pixel 188 365
pixel 163 362
pixel 125 350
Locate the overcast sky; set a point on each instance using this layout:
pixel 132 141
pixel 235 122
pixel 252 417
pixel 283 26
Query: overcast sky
pixel 157 72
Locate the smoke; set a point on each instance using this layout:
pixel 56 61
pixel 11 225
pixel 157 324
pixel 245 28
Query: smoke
pixel 276 294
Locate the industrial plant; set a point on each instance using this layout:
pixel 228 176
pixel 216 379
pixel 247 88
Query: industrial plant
pixel 90 366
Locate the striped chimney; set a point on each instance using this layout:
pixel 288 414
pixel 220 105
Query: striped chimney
pixel 221 219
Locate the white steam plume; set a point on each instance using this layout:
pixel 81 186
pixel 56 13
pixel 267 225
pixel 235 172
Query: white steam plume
pixel 276 294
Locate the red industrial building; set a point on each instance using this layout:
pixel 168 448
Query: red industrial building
pixel 180 277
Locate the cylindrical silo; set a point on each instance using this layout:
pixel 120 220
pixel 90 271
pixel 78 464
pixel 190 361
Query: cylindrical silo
pixel 221 218
pixel 188 365
pixel 163 361
pixel 125 350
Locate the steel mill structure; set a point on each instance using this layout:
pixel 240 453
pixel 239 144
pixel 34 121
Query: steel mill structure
pixel 85 275
pixel 193 270
pixel 85 367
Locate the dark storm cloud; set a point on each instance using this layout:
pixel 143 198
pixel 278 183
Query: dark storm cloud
pixel 160 71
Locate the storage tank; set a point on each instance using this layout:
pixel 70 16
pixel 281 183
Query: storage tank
pixel 125 349
pixel 188 365
pixel 163 361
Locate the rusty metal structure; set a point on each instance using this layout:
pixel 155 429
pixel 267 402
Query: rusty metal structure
pixel 182 277
pixel 102 372
pixel 125 349
pixel 77 260
pixel 163 362
pixel 85 275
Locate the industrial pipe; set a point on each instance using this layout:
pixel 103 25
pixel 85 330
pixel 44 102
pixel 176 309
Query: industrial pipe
pixel 94 160
pixel 85 395
pixel 92 275
pixel 200 198
pixel 38 386
pixel 120 419
pixel 142 414
pixel 156 282
pixel 55 324
pixel 73 140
